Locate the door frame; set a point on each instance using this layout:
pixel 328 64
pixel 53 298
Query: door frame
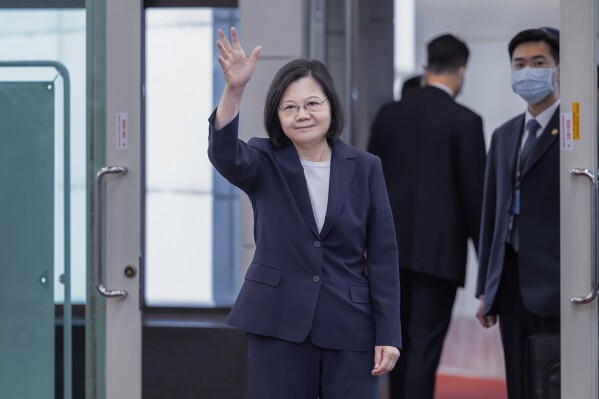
pixel 579 323
pixel 113 333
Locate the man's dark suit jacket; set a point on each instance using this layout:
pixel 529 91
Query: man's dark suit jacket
pixel 433 155
pixel 539 224
pixel 301 282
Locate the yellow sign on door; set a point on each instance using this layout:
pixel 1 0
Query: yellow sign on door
pixel 576 120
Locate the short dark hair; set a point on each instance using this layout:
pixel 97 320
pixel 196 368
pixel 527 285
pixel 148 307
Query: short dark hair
pixel 546 35
pixel 411 85
pixel 289 73
pixel 446 53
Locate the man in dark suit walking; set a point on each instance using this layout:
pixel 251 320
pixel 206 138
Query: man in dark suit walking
pixel 433 155
pixel 519 250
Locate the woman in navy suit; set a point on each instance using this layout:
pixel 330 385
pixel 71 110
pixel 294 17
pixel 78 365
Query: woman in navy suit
pixel 321 321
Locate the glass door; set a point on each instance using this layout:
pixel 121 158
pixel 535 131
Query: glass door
pixel 34 212
pixel 42 199
pixel 70 97
pixel 579 196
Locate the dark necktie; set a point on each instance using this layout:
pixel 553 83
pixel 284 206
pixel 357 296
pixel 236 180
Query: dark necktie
pixel 531 127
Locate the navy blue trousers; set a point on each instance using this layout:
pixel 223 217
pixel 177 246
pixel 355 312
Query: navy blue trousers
pixel 281 369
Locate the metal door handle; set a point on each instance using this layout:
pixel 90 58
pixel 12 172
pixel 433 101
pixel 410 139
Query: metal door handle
pixel 593 293
pixel 98 239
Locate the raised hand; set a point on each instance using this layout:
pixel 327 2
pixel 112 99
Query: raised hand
pixel 237 68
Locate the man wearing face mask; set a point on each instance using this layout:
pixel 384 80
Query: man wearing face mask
pixel 519 249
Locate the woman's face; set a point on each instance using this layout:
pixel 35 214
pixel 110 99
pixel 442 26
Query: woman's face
pixel 305 113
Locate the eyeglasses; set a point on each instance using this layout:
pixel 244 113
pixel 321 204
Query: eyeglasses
pixel 312 105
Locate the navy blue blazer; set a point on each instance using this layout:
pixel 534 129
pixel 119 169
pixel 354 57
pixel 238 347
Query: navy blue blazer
pixel 301 282
pixel 539 219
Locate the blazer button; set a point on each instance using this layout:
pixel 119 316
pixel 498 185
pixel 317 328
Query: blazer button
pixel 317 244
pixel 316 279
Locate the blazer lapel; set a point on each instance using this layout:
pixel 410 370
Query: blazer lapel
pixel 293 172
pixel 515 134
pixel 342 174
pixel 547 138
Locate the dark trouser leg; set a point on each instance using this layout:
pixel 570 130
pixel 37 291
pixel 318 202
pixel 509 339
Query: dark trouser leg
pixel 282 369
pixel 516 324
pixel 426 305
pixel 346 375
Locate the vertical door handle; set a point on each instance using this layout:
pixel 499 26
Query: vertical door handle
pixel 593 293
pixel 98 230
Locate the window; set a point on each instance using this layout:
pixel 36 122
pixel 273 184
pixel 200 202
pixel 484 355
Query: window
pixel 404 39
pixel 190 242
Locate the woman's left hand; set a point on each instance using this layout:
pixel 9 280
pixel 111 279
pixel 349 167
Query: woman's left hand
pixel 384 359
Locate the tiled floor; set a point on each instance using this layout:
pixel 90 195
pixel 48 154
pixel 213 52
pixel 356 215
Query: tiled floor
pixel 453 387
pixel 469 351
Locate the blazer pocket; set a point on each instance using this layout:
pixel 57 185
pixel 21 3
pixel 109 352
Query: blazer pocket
pixel 264 274
pixel 359 293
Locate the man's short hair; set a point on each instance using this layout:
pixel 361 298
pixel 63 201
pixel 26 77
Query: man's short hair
pixel 547 35
pixel 446 53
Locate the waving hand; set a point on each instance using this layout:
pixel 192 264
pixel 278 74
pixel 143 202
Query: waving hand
pixel 236 67
pixel 237 71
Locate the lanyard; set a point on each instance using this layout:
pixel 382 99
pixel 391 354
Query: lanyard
pixel 522 159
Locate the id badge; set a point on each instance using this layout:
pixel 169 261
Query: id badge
pixel 516 203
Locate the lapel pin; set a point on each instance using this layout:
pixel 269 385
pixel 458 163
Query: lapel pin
pixel 554 132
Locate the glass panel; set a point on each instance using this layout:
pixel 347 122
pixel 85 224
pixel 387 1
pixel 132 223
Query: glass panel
pixel 58 35
pixel 26 242
pixel 32 238
pixel 36 151
pixel 179 178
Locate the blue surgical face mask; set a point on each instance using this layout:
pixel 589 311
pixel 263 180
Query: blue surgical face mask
pixel 533 84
